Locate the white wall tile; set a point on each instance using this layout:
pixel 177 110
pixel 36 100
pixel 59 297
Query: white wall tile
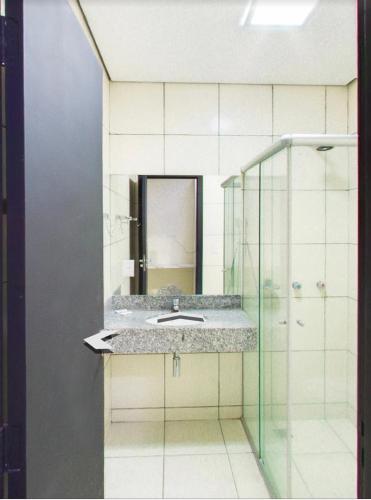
pixel 337 216
pixel 213 219
pixel 353 271
pixel 337 323
pixel 311 335
pixel 308 217
pixel 275 385
pixel 352 379
pixel 308 168
pixel 230 412
pixel 336 376
pixel 191 155
pixel 353 167
pixel 107 292
pixel 337 161
pixel 136 108
pixel 120 251
pixel 245 109
pixel 212 280
pixel 107 392
pixel 307 377
pixel 353 107
pixel 191 109
pixel 138 415
pixel 336 110
pixel 237 151
pixel 230 379
pixel 353 216
pixel 138 381
pixel 213 250
pixel 137 154
pixel 336 270
pixel 352 345
pixel 298 109
pixel 308 267
pixel 197 384
pixel 212 189
pixel 192 413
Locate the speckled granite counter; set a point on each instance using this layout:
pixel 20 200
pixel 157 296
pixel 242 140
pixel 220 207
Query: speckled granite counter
pixel 227 328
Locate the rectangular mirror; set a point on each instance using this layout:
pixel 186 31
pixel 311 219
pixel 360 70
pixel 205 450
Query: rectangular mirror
pixel 166 235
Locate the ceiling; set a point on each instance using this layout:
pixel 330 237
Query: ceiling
pixel 202 41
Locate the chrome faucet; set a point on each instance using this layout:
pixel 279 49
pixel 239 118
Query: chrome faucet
pixel 175 307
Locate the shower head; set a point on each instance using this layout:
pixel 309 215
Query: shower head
pixel 325 148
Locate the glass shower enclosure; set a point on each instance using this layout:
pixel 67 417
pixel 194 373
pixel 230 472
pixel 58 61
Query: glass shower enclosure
pixel 232 282
pixel 299 276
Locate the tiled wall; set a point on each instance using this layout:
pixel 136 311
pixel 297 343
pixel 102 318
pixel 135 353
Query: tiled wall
pixel 352 257
pixel 143 387
pixel 324 249
pixel 211 130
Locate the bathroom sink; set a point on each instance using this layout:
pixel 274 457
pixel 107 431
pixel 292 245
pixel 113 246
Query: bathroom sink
pixel 177 318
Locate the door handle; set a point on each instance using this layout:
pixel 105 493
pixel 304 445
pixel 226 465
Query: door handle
pixel 300 322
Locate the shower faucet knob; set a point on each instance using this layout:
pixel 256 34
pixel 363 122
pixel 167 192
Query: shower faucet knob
pixel 296 285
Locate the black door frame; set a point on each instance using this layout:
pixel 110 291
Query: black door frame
pixel 15 246
pixel 13 404
pixel 364 249
pixel 142 212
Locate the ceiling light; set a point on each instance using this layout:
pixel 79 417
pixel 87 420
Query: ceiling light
pixel 246 13
pixel 281 13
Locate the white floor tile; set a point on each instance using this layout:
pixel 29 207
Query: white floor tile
pixel 235 437
pixel 328 475
pixel 346 431
pixel 135 439
pixel 139 477
pixel 247 476
pixel 315 436
pixel 193 437
pixel 199 476
pixel 298 487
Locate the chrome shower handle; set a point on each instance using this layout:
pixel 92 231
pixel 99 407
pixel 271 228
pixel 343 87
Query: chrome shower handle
pixel 300 322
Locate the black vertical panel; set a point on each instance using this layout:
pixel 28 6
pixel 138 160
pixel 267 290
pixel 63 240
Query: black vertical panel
pixel 364 291
pixel 13 319
pixel 142 211
pixel 64 254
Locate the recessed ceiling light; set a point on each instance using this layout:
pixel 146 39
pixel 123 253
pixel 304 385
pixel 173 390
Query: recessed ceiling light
pixel 279 13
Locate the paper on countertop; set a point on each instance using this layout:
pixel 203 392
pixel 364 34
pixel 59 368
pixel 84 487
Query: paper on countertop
pixel 123 312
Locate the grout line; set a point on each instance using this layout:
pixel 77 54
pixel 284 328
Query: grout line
pixel 163 127
pixel 229 460
pixel 164 431
pixel 218 385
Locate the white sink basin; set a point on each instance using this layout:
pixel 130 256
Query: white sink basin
pixel 177 318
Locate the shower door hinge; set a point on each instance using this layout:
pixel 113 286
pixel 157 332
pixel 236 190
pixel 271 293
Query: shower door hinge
pixel 3 51
pixel 10 449
pixel 9 40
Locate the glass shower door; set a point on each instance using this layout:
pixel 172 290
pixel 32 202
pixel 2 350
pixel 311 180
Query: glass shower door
pixel 274 321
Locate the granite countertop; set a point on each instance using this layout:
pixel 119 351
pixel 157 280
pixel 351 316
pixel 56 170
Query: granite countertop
pixel 227 327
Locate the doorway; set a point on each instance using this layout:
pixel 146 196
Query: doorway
pixel 169 255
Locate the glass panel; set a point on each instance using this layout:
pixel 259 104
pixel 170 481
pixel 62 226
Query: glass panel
pixel 250 250
pixel 274 320
pixel 323 346
pixel 171 236
pixel 228 239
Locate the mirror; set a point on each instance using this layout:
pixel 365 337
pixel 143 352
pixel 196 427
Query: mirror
pixel 166 234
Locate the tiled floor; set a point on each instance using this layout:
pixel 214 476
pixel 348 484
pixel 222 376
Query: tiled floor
pixel 181 459
pixel 324 453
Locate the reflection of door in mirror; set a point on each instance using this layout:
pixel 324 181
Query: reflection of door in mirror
pixel 170 235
